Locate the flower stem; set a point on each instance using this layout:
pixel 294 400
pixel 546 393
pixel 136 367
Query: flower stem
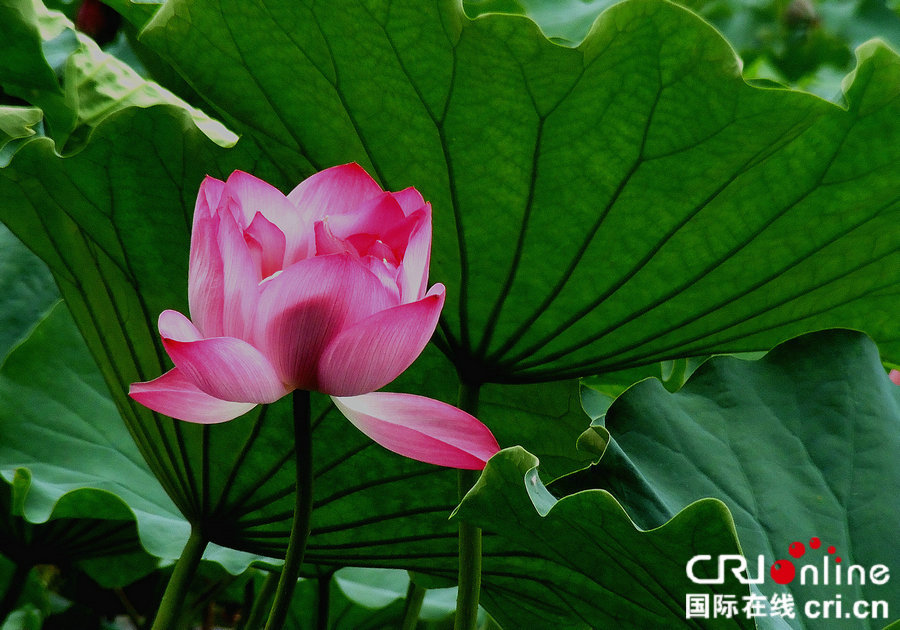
pixel 415 595
pixel 176 590
pixel 469 535
pixel 302 512
pixel 323 602
pixel 260 603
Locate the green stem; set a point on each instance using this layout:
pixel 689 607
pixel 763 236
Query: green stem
pixel 302 512
pixel 14 591
pixel 261 602
pixel 323 602
pixel 469 535
pixel 415 595
pixel 176 590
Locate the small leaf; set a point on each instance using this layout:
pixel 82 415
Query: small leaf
pixel 17 122
pixel 589 565
pixel 800 444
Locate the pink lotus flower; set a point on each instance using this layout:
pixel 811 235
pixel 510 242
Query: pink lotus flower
pixel 324 290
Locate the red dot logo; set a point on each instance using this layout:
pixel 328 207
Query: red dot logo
pixel 783 571
pixel 796 549
pixel 814 542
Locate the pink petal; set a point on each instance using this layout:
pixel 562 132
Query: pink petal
pixel 327 243
pixel 895 377
pixel 240 279
pixel 374 352
pixel 374 247
pixel 174 325
pixel 176 396
pixel 267 245
pixel 253 195
pixel 374 216
pixel 386 274
pixel 335 190
pixel 413 278
pixel 384 224
pixel 421 428
pixel 223 367
pixel 409 199
pixel 303 308
pixel 208 197
pixel 205 277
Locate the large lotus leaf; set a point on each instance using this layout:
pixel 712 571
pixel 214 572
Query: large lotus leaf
pixel 588 565
pixel 124 231
pixel 802 443
pixel 626 201
pixel 26 288
pixel 370 508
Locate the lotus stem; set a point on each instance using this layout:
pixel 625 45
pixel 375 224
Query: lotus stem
pixel 177 588
pixel 302 512
pixel 260 603
pixel 469 535
pixel 415 595
pixel 323 602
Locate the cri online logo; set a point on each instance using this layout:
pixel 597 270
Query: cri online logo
pixel 784 571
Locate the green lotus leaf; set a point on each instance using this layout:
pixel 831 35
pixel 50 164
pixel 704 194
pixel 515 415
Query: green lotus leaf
pixel 799 444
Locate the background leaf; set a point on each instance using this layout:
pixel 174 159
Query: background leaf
pixel 25 72
pixel 15 123
pixel 363 599
pixel 58 423
pixel 71 78
pixel 81 530
pixel 804 44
